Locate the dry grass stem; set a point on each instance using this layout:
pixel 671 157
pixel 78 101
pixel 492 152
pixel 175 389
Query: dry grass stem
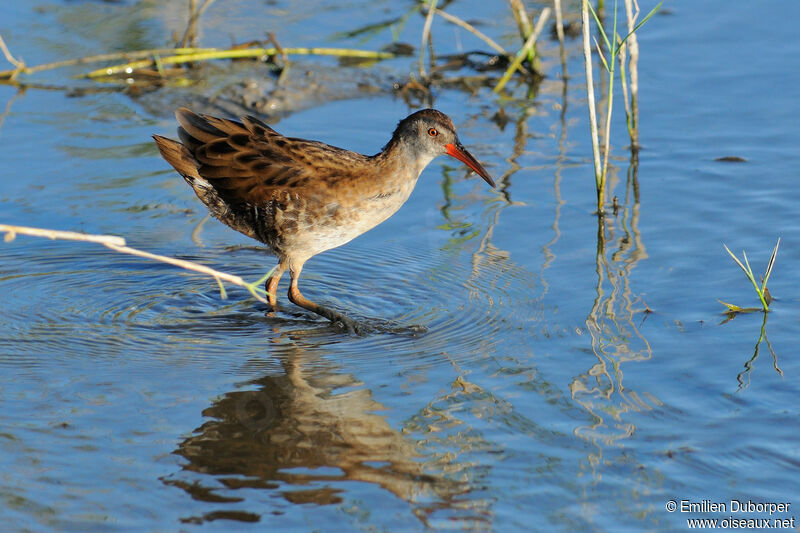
pixel 278 47
pixel 543 17
pixel 127 56
pixel 587 57
pixel 632 45
pixel 523 22
pixel 12 231
pixel 166 56
pixel 473 30
pixel 560 31
pixel 190 35
pixel 118 244
pixel 284 56
pixel 426 37
pixel 623 60
pixel 207 54
pixel 19 65
pixel 524 51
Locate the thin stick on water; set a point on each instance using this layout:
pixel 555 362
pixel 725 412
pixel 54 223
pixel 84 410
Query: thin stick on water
pixel 426 35
pixel 587 58
pixel 145 58
pixel 623 75
pixel 235 53
pixel 187 34
pixel 190 35
pixel 632 46
pixel 543 18
pixel 278 47
pixel 284 56
pixel 128 56
pixel 11 233
pixel 560 32
pixel 118 244
pixel 521 17
pixel 523 52
pixel 523 23
pixel 473 30
pixel 19 65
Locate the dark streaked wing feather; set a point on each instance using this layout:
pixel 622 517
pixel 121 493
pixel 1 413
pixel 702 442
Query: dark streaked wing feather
pixel 249 162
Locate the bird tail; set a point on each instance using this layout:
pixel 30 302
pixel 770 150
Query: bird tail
pixel 185 163
pixel 187 166
pixel 179 157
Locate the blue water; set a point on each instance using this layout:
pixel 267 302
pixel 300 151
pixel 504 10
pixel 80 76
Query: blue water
pixel 561 384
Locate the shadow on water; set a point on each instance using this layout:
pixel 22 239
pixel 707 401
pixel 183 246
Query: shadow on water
pixel 306 433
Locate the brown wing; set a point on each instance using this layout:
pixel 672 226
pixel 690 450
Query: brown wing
pixel 247 162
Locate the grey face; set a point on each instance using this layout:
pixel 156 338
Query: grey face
pixel 431 133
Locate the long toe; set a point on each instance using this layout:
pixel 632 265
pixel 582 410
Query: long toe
pixel 340 321
pixel 351 326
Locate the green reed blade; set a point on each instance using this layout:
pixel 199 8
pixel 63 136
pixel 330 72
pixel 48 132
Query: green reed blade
pixel 770 265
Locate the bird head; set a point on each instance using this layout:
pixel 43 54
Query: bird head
pixel 430 133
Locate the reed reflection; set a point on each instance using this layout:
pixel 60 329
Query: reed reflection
pixel 743 378
pixel 613 324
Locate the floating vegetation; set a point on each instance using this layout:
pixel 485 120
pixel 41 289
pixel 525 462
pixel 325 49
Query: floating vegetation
pixel 763 293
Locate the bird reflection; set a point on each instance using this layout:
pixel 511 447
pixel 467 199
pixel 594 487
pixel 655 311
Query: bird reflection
pixel 303 433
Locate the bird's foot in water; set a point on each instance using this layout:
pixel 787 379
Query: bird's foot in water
pixel 344 324
pixel 348 325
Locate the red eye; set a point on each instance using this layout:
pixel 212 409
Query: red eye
pixel 432 132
